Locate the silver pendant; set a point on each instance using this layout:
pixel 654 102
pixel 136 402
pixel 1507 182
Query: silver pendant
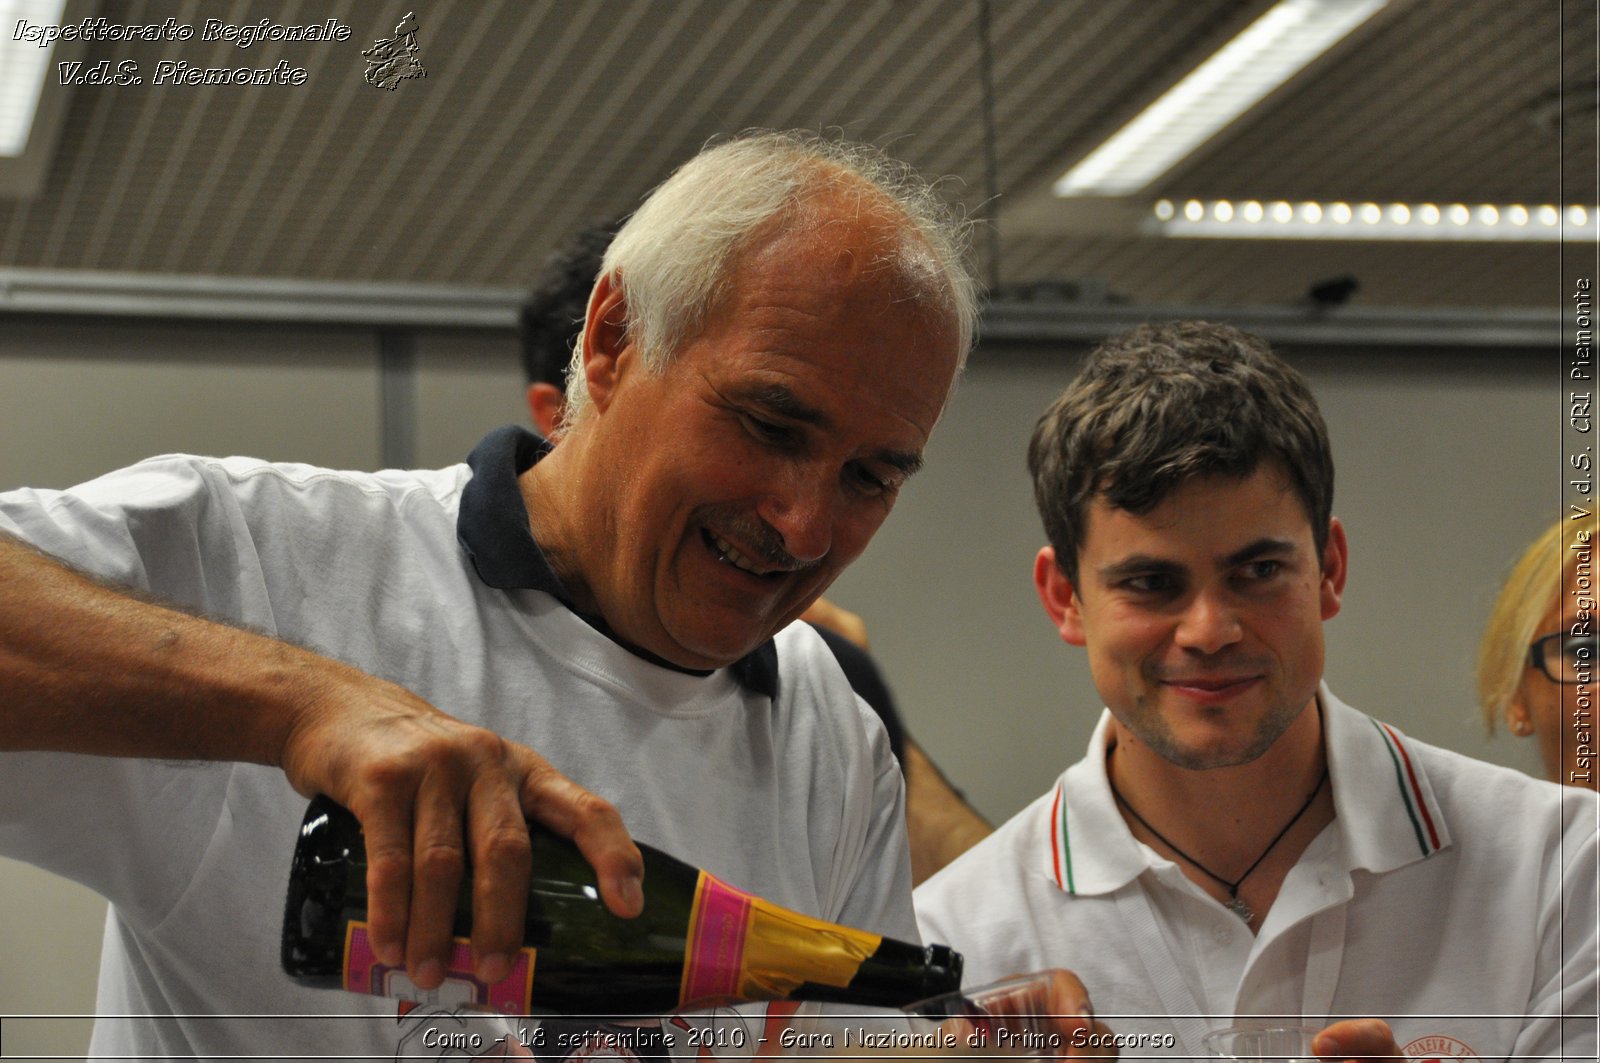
pixel 1241 909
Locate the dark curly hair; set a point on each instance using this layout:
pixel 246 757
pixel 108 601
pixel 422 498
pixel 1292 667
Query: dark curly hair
pixel 1158 405
pixel 552 315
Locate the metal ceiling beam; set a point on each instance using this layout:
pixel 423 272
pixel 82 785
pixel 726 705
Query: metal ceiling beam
pixel 1345 326
pixel 74 293
pixel 256 299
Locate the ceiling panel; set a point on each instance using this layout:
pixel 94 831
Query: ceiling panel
pixel 538 116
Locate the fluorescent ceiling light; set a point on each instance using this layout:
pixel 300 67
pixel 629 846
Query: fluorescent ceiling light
pixel 23 68
pixel 1270 51
pixel 1283 220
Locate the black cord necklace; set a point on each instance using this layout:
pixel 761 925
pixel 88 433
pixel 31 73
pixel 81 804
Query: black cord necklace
pixel 1235 905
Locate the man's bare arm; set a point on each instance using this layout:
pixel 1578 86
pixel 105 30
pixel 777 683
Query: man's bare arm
pixel 88 668
pixel 939 822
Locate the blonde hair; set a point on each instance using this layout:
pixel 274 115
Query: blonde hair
pixel 1533 587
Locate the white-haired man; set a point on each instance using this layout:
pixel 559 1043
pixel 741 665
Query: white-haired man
pixel 774 339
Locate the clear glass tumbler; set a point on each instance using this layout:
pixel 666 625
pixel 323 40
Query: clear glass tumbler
pixel 1259 1044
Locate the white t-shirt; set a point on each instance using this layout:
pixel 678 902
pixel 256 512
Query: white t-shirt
pixel 795 798
pixel 1452 898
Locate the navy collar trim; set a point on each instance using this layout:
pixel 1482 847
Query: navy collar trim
pixel 493 529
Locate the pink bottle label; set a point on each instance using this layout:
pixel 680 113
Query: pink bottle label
pixel 363 973
pixel 713 968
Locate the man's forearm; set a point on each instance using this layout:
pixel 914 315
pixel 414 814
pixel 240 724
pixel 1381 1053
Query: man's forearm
pixel 941 825
pixel 89 668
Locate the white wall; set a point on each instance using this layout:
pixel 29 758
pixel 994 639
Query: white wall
pixel 81 398
pixel 1447 464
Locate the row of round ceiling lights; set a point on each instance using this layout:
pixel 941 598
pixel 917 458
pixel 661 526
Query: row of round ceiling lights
pixel 1281 212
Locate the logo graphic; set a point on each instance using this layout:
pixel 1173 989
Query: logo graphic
pixel 1437 1048
pixel 392 60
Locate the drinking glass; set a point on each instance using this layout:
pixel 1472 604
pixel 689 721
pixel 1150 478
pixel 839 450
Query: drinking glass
pixel 1259 1044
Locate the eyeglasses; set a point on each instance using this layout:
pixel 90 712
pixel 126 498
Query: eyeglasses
pixel 1564 658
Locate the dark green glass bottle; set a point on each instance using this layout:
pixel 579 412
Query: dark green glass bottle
pixel 699 942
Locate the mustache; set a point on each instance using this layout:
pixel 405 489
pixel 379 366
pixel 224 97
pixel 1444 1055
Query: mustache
pixel 754 535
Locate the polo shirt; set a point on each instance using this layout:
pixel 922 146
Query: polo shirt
pixel 1452 898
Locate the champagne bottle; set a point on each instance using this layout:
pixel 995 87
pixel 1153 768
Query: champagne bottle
pixel 698 943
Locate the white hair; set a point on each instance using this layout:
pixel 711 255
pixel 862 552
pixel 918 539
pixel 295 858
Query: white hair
pixel 673 255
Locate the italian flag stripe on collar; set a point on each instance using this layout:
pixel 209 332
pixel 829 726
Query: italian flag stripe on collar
pixel 1410 792
pixel 1061 844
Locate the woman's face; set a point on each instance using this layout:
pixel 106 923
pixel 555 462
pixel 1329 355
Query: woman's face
pixel 1562 715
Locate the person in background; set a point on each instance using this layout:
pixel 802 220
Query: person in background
pixel 940 823
pixel 1536 664
pixel 191 647
pixel 1239 844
